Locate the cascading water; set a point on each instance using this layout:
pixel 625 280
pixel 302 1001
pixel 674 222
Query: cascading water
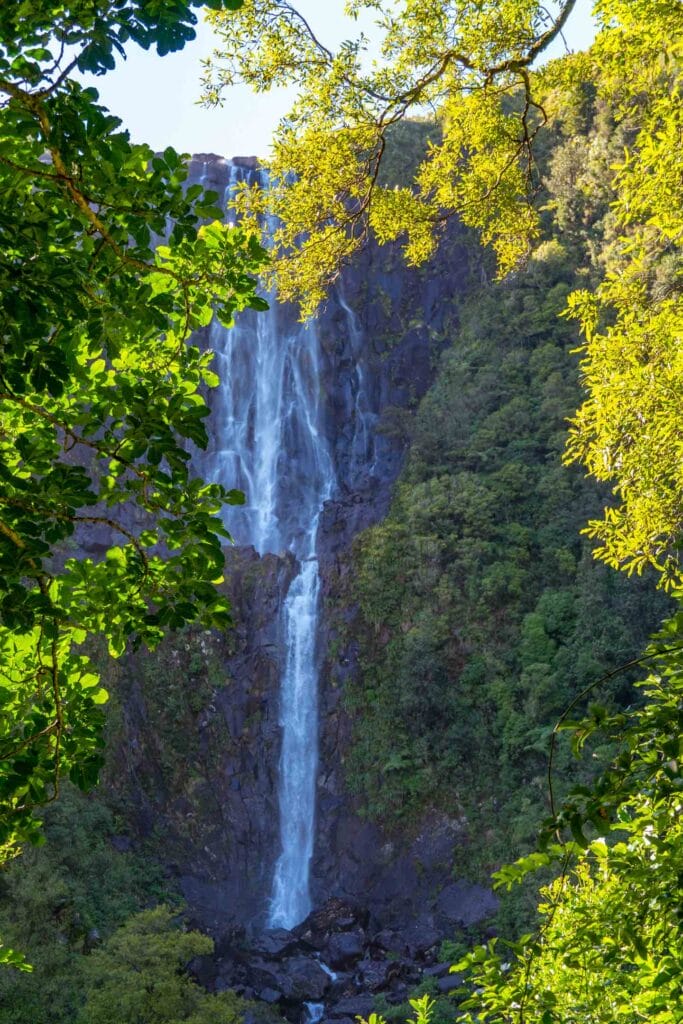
pixel 298 762
pixel 269 442
pixel 362 449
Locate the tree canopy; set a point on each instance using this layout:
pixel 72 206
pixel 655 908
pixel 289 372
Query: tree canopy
pixel 628 431
pixel 609 945
pixel 470 64
pixel 100 385
pixel 476 67
pixel 140 974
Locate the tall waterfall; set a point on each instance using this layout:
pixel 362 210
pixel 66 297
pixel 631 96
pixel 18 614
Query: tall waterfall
pixel 269 442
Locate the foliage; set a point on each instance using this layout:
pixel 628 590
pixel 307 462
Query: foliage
pixel 610 944
pixel 478 584
pixel 99 386
pixel 178 744
pixel 439 1007
pixel 58 901
pixel 327 156
pixel 628 429
pixel 140 974
pixel 422 1007
pixel 474 548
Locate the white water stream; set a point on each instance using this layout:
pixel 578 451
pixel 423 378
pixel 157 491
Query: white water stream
pixel 267 422
pixel 363 455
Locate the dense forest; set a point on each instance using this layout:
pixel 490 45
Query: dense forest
pixel 492 625
pixel 480 572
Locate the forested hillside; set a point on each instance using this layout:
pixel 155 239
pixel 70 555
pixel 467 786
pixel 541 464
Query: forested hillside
pixel 483 611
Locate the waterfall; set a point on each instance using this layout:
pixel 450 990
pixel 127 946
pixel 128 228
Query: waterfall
pixel 362 449
pixel 298 762
pixel 269 442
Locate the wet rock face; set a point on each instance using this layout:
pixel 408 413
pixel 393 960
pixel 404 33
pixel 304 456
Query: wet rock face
pixel 195 762
pixel 345 950
pixel 213 807
pixel 381 330
pixel 292 969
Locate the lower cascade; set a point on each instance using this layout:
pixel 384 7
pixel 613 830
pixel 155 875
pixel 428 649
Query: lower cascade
pixel 270 444
pixel 298 762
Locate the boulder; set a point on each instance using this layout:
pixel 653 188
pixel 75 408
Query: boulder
pixel 403 971
pixel 420 936
pixel 344 949
pixel 372 975
pixel 275 943
pixel 464 904
pixel 354 1006
pixel 387 941
pixel 269 995
pixel 336 915
pixel 262 975
pixel 450 982
pixel 436 970
pixel 303 980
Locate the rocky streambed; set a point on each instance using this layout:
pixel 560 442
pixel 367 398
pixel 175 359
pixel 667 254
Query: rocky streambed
pixel 334 965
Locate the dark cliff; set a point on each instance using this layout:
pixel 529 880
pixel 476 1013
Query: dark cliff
pixel 196 745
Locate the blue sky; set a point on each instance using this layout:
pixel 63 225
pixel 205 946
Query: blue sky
pixel 157 97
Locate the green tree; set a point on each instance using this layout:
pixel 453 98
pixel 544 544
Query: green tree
pixel 628 430
pixel 609 946
pixel 479 584
pixel 100 384
pixel 471 64
pixel 60 900
pixel 140 974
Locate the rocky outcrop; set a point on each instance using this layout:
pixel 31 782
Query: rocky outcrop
pixel 335 959
pixel 193 760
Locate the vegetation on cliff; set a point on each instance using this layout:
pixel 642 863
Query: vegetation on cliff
pixel 103 929
pixel 479 581
pixel 58 902
pixel 479 585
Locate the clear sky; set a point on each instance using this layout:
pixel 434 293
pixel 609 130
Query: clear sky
pixel 156 97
